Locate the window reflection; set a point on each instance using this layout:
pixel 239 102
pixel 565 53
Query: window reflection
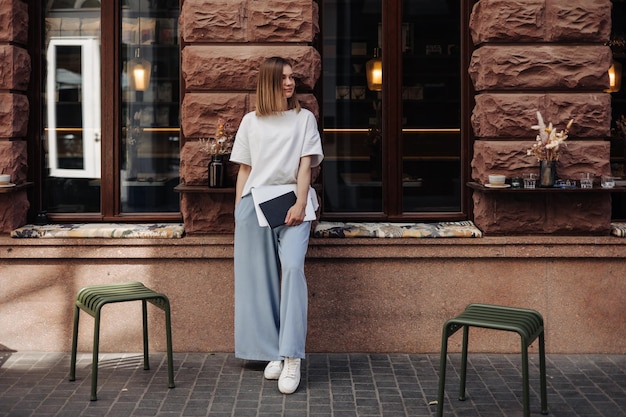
pixel 72 109
pixel 148 140
pixel 395 152
pixel 150 107
pixel 352 112
pixel 431 107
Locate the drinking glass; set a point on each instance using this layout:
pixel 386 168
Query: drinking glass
pixel 607 181
pixel 586 180
pixel 530 179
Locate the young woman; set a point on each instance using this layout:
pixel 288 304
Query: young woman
pixel 277 144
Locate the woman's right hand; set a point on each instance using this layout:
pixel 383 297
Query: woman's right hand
pixel 242 177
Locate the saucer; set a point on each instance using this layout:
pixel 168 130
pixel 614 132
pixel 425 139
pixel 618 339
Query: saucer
pixel 497 186
pixel 10 185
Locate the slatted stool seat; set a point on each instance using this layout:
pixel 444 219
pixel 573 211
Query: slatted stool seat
pixel 527 323
pixel 92 299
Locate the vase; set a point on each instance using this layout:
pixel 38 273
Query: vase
pixel 131 165
pixel 547 173
pixel 216 172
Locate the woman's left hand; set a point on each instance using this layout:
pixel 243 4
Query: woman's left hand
pixel 295 215
pixel 297 212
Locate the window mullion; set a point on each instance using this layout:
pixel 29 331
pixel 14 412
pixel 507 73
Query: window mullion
pixel 110 53
pixel 392 106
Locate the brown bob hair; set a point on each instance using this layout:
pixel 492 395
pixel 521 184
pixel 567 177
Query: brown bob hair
pixel 269 88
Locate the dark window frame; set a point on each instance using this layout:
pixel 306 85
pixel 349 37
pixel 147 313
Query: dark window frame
pixel 111 17
pixel 392 122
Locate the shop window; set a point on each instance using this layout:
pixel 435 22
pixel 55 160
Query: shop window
pixel 394 147
pixel 112 155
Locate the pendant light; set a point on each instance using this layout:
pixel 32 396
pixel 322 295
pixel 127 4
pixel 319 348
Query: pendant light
pixel 374 71
pixel 615 77
pixel 139 69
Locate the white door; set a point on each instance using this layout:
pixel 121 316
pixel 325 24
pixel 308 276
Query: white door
pixel 73 107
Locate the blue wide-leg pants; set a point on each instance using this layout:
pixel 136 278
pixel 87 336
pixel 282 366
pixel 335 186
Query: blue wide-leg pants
pixel 270 287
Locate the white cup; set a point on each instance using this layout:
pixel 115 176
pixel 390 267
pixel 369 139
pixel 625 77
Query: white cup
pixel 497 180
pixel 5 179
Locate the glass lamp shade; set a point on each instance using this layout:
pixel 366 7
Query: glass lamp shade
pixel 139 71
pixel 615 77
pixel 374 71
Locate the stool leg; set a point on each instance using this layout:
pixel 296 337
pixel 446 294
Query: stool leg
pixel 442 371
pixel 94 361
pixel 464 363
pixel 525 395
pixel 170 355
pixel 74 344
pixel 146 358
pixel 542 374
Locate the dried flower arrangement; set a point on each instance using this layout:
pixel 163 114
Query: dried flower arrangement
pixel 221 144
pixel 549 140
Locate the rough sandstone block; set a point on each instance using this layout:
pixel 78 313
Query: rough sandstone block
pixel 213 21
pixel 578 20
pixel 309 102
pixel 13 21
pixel 13 115
pixel 13 160
pixel 512 114
pixel 14 68
pixel 249 21
pixel 514 67
pixel 507 20
pixel 235 68
pixel 13 210
pixel 282 21
pixel 13 206
pixel 200 112
pixel 509 158
pixel 540 20
pixel 208 213
pixel 551 213
pixel 194 167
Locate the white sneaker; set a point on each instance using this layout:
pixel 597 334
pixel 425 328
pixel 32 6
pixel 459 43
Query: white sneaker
pixel 290 376
pixel 273 369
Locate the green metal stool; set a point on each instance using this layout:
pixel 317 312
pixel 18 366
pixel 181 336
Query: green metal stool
pixel 92 299
pixel 527 323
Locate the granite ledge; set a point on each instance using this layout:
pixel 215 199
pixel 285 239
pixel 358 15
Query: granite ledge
pixel 221 247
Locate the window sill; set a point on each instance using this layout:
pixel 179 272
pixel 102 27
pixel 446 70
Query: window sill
pixel 16 188
pixel 479 187
pixel 205 189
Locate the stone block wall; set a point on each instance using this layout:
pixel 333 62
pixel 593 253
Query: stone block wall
pixel 530 55
pixel 546 56
pixel 15 70
pixel 224 43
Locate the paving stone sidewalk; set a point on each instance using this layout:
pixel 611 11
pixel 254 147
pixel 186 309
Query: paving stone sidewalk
pixel 337 385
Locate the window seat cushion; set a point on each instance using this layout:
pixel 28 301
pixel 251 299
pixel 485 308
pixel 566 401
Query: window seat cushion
pixel 618 229
pixel 101 230
pixel 397 230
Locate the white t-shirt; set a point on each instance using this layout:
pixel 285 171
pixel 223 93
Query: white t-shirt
pixel 273 145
